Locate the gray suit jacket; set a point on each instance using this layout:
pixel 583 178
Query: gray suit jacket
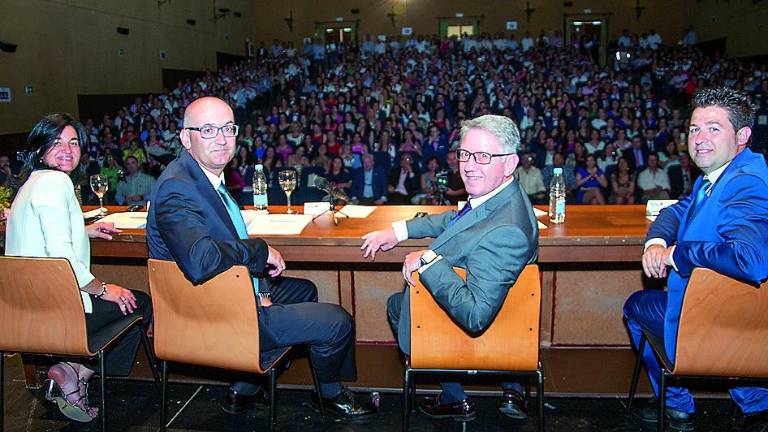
pixel 493 242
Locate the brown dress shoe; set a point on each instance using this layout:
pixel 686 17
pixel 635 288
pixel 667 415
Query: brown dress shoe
pixel 463 410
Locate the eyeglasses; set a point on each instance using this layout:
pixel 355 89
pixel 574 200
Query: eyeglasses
pixel 210 131
pixel 481 158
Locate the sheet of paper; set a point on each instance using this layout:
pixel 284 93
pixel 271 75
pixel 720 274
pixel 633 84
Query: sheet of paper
pixel 276 224
pixel 91 214
pixel 541 225
pixel 539 213
pixel 132 220
pixel 355 211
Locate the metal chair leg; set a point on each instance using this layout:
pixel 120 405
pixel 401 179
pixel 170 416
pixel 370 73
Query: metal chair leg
pixel 103 383
pixel 316 381
pixel 163 395
pixel 150 355
pixel 272 398
pixel 540 396
pixel 662 400
pixel 406 395
pixel 635 375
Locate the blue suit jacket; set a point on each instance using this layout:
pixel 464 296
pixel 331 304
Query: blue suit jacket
pixel 189 224
pixel 379 184
pixel 727 232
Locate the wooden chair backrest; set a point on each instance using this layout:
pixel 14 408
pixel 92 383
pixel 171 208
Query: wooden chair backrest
pixel 723 327
pixel 212 324
pixel 511 342
pixel 41 310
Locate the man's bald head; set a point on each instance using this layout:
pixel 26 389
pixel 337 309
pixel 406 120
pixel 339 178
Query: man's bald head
pixel 202 107
pixel 213 154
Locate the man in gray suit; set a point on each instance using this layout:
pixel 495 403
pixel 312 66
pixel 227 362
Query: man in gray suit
pixel 493 237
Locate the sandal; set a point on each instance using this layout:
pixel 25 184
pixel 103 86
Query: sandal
pixel 75 409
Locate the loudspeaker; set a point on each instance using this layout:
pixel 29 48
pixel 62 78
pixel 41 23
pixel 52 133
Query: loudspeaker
pixel 190 21
pixel 7 47
pixel 123 30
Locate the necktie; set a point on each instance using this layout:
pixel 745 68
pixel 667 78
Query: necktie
pixel 237 220
pixel 234 212
pixel 464 210
pixel 700 195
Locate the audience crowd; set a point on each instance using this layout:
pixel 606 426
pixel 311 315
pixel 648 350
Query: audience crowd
pixel 380 121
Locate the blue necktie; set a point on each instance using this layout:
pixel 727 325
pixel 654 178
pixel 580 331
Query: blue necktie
pixel 234 212
pixel 701 194
pixel 237 220
pixel 464 210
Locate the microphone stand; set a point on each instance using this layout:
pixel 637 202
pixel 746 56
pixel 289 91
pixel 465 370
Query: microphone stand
pixel 332 192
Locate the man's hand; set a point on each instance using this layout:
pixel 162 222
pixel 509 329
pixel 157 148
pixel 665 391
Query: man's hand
pixel 411 264
pixel 102 230
pixel 656 259
pixel 275 262
pixel 375 241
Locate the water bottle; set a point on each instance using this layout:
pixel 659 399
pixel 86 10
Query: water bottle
pixel 259 188
pixel 557 197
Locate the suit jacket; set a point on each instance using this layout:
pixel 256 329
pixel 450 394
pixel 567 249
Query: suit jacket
pixel 727 232
pixel 188 223
pixel 493 242
pixel 379 185
pixel 412 182
pixel 46 221
pixel 677 182
pixel 629 155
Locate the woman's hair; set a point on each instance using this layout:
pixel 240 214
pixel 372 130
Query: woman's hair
pixel 44 135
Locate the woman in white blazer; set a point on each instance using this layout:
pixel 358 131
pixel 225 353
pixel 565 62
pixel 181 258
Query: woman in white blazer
pixel 46 221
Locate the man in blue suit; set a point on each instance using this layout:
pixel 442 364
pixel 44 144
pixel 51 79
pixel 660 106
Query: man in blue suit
pixel 722 225
pixel 369 185
pixel 196 223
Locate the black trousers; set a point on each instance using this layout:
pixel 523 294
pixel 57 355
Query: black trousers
pixel 296 318
pixel 121 355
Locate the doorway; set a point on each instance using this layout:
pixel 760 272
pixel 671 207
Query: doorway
pixel 590 34
pixel 458 26
pixel 337 32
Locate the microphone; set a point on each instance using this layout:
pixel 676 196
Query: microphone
pixel 319 182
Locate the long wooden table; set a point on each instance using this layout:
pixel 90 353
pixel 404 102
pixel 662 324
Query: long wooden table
pixel 590 265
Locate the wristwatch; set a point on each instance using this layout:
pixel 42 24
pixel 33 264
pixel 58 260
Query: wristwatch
pixel 427 257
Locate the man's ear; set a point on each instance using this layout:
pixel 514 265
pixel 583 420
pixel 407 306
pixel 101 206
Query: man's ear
pixel 511 164
pixel 743 135
pixel 185 139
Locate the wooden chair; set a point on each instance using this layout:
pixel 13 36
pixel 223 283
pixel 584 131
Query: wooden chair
pixel 722 333
pixel 510 346
pixel 41 312
pixel 213 324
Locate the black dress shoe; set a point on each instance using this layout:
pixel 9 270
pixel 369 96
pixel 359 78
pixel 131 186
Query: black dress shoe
pixel 513 405
pixel 235 403
pixel 752 422
pixel 344 406
pixel 463 410
pixel 677 420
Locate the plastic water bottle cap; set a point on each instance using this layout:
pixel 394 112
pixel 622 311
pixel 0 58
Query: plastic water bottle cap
pixel 557 171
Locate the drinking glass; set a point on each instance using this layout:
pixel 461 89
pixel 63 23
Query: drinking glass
pixel 99 186
pixel 287 180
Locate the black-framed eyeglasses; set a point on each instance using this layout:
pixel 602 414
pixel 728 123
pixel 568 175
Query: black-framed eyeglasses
pixel 482 158
pixel 210 131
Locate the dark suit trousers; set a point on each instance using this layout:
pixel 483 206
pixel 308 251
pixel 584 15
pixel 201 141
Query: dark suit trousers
pixel 452 392
pixel 121 355
pixel 296 318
